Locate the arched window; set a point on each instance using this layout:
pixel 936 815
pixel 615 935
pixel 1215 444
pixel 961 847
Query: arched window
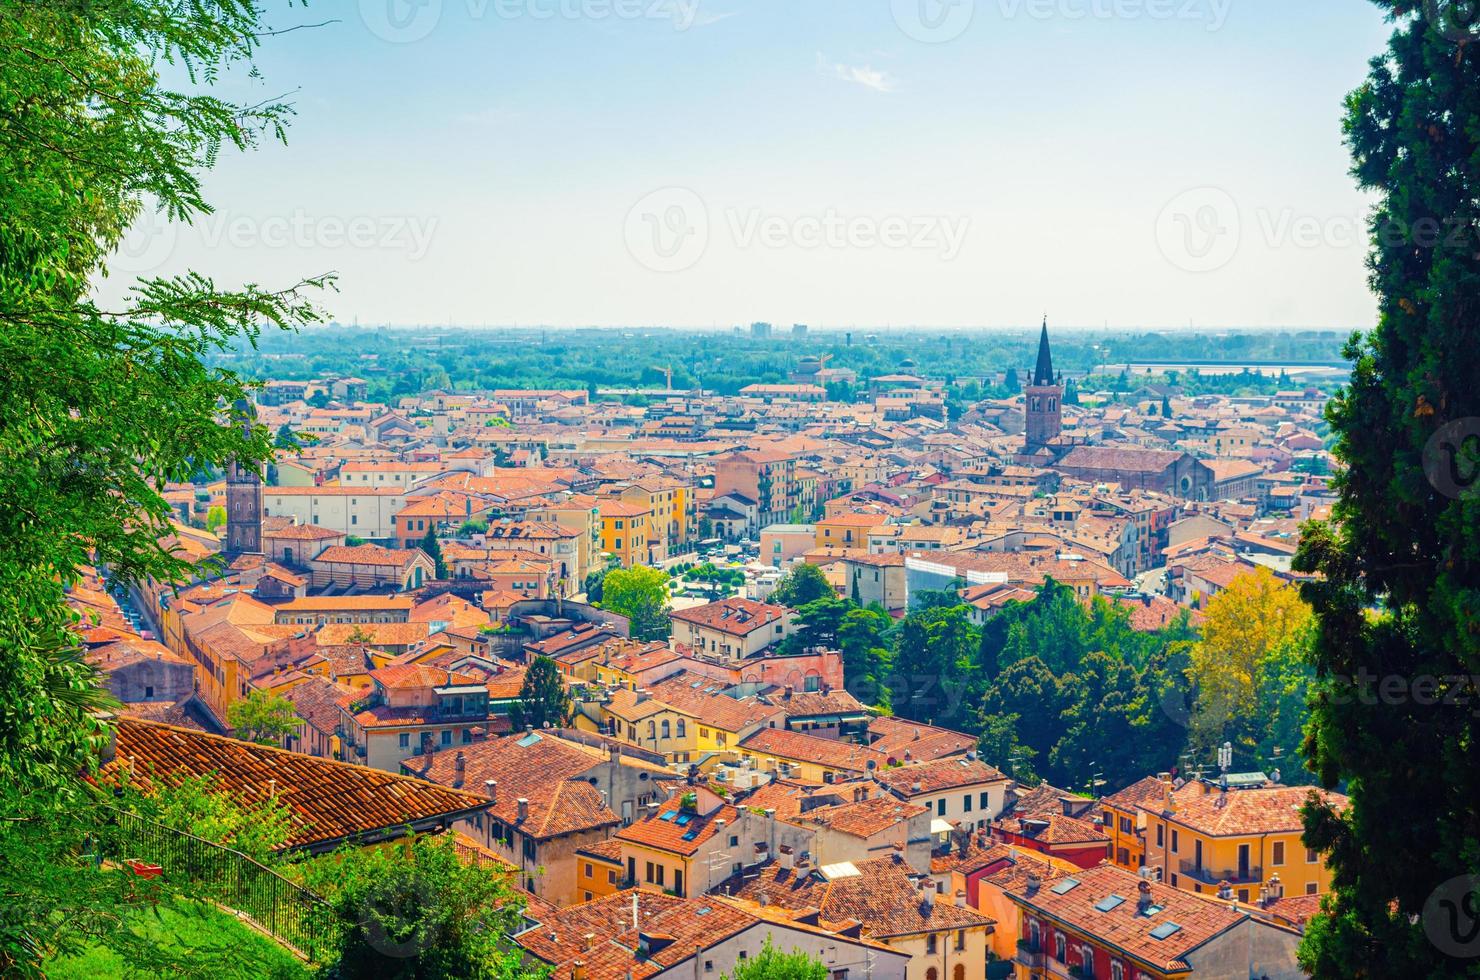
pixel 932 974
pixel 1053 404
pixel 959 973
pixel 652 729
pixel 680 728
pixel 666 732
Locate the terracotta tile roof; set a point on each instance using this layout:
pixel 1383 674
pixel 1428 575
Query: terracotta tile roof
pixel 662 831
pixel 415 676
pixel 609 850
pixel 131 650
pixel 346 603
pixel 316 701
pixel 862 819
pixel 541 770
pixel 1146 794
pixel 897 736
pixel 932 777
pixel 301 532
pixel 700 697
pixel 681 925
pixel 816 704
pixel 1270 810
pixel 734 616
pixel 801 747
pixel 330 801
pixel 1123 458
pixel 176 713
pixel 1053 828
pixel 368 554
pixel 1126 926
pixel 380 634
pixel 882 895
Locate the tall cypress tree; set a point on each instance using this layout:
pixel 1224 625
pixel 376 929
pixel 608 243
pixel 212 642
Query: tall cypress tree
pixel 1398 600
pixel 433 549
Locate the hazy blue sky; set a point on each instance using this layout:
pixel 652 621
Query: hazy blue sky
pixel 833 162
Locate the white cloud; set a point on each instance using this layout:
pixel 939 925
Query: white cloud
pixel 868 77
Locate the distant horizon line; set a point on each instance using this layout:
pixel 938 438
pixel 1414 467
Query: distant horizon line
pixel 780 332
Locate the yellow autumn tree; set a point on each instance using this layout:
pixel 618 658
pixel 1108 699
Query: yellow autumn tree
pixel 1250 631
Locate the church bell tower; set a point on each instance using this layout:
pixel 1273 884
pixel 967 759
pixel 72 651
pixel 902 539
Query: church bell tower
pixel 1043 399
pixel 243 499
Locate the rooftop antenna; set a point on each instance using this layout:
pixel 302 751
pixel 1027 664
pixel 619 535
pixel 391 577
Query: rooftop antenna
pixel 634 911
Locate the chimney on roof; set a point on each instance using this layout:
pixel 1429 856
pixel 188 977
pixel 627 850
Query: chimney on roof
pixel 1225 890
pixel 1143 896
pixel 459 769
pixel 927 894
pixel 1034 882
pixel 490 790
pixel 785 860
pixel 523 808
pixel 960 898
pixel 789 691
pixel 578 970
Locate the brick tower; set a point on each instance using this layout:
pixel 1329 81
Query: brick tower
pixel 243 501
pixel 1043 400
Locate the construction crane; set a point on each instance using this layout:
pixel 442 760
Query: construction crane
pixel 667 377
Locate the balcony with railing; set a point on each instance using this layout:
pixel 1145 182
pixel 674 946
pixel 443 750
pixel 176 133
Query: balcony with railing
pixel 1251 874
pixel 1030 954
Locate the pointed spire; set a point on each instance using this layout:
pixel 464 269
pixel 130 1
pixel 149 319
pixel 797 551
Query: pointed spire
pixel 1043 373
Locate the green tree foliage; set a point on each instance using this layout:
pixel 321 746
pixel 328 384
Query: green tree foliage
pixel 215 518
pixel 543 699
pixel 197 805
pixel 1249 668
pixel 433 549
pixel 817 624
pixel 1405 530
pixel 641 594
pixel 101 408
pixel 419 912
pixel 772 964
pixel 804 583
pixel 594 584
pixel 1055 687
pixel 863 641
pixel 263 717
pixel 54 902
